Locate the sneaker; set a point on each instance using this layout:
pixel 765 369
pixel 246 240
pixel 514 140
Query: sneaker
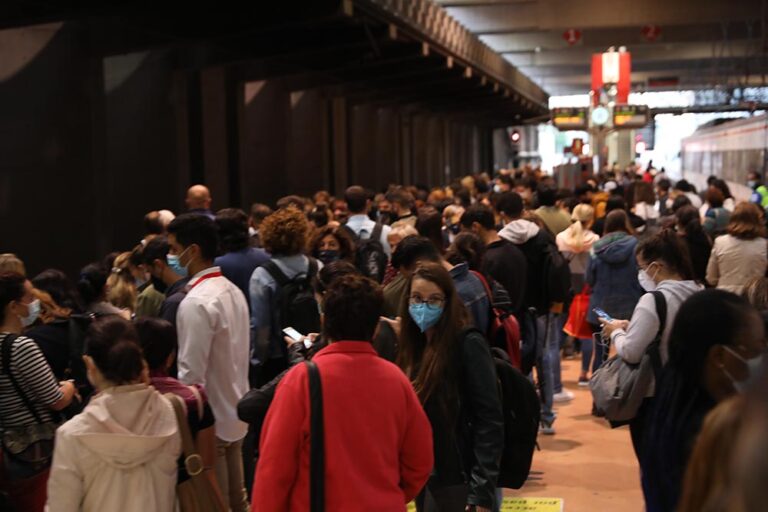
pixel 546 428
pixel 563 396
pixel 583 381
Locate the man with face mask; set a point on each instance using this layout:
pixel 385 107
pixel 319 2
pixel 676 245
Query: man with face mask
pixel 164 278
pixel 214 343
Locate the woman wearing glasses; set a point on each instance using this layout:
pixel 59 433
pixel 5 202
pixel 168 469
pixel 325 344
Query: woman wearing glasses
pixel 453 374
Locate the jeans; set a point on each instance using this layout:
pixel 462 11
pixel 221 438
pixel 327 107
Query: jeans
pixel 547 341
pixel 587 348
pixel 557 375
pixel 229 474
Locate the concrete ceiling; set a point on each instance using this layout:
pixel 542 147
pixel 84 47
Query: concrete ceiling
pixel 702 43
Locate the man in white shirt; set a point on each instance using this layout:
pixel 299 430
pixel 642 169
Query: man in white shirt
pixel 214 337
pixel 358 205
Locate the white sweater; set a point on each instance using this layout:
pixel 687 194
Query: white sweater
pixel 632 343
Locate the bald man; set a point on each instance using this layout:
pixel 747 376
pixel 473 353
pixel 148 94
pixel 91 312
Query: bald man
pixel 199 201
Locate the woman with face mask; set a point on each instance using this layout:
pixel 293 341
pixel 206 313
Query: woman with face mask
pixel 29 397
pixel 664 266
pixel 716 348
pixel 331 244
pixel 453 374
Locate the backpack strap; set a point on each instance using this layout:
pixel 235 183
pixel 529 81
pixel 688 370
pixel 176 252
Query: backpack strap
pixel 316 440
pixel 312 268
pixel 376 233
pixel 487 287
pixel 654 350
pixel 278 275
pixel 351 232
pixel 8 342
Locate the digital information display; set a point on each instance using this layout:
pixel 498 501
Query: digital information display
pixel 570 118
pixel 630 116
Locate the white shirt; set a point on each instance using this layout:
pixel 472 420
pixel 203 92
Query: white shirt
pixel 363 227
pixel 214 344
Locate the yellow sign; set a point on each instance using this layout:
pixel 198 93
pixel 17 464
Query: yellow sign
pixel 523 505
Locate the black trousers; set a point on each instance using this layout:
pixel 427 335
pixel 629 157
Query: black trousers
pixel 442 499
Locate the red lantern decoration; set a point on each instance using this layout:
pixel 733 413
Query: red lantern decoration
pixel 651 32
pixel 572 36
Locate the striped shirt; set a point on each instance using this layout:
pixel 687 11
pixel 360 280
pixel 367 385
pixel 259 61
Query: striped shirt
pixel 35 378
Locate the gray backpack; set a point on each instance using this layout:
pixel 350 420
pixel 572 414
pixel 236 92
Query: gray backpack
pixel 618 387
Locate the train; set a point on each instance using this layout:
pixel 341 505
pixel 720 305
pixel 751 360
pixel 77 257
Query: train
pixel 729 149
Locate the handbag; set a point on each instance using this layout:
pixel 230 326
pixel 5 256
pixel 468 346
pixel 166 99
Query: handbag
pixel 316 441
pixel 196 494
pixel 27 450
pixel 619 388
pixel 577 325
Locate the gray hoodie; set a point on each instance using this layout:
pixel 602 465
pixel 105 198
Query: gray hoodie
pixel 519 231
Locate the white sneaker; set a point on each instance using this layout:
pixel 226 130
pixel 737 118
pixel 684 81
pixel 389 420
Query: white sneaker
pixel 563 396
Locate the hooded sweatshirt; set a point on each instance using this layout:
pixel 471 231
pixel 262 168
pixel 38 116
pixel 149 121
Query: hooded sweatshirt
pixel 577 255
pixel 120 453
pixel 532 242
pixel 632 343
pixel 612 274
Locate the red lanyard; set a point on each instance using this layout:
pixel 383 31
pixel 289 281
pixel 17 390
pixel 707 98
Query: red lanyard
pixel 203 278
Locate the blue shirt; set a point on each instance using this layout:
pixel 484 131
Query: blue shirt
pixel 238 267
pixel 363 228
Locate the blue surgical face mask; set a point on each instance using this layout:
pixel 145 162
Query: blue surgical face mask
pixel 425 316
pixel 754 365
pixel 33 314
pixel 174 261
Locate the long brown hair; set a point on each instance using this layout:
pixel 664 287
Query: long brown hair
pixel 746 222
pixel 709 477
pixel 431 365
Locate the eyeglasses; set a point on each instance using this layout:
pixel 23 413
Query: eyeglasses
pixel 434 302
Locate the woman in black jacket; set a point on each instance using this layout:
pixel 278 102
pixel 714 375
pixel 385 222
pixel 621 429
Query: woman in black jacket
pixel 454 376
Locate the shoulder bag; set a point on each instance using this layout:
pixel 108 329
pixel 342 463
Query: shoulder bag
pixel 618 387
pixel 27 450
pixel 196 494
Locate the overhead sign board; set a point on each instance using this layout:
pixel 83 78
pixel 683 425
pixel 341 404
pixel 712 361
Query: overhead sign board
pixel 630 116
pixel 570 118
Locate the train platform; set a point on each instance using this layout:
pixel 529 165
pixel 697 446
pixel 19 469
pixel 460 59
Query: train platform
pixel 586 464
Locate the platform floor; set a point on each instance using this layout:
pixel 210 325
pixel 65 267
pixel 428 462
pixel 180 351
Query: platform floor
pixel 587 464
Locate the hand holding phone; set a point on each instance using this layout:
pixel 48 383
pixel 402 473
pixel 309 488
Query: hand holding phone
pixel 602 314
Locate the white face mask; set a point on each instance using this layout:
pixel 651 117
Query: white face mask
pixel 647 282
pixel 754 365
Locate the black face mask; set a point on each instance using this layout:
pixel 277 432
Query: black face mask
pixel 158 284
pixel 328 257
pixel 386 217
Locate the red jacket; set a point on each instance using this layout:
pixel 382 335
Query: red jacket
pixel 378 441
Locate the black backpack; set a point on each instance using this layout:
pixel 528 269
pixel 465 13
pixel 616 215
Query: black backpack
pixel 370 258
pixel 557 273
pixel 294 304
pixel 522 413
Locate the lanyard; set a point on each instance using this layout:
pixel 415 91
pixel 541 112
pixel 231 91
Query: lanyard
pixel 203 278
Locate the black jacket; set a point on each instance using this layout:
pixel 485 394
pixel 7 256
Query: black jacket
pixel 505 263
pixel 253 407
pixel 468 445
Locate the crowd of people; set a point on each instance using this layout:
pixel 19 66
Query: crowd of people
pixel 186 368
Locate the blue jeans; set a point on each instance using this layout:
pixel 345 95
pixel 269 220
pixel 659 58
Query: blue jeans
pixel 547 341
pixel 557 375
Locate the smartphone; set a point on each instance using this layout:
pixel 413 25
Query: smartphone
pixel 293 333
pixel 602 314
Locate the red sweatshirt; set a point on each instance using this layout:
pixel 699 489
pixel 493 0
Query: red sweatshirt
pixel 378 441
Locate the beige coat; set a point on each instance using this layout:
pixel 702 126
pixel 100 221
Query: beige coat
pixel 734 262
pixel 119 454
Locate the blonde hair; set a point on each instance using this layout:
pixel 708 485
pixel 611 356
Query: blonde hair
pixel 9 262
pixel 121 287
pixel 582 218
